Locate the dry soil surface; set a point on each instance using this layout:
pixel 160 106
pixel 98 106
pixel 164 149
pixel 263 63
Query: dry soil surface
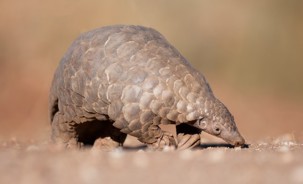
pixel 272 161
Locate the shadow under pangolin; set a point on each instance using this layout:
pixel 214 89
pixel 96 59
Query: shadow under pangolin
pixel 201 146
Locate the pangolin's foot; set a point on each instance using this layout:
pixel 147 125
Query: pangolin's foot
pixel 105 144
pixel 165 142
pixel 70 144
pixel 188 141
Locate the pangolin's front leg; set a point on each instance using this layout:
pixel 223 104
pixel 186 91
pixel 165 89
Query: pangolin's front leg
pixel 188 136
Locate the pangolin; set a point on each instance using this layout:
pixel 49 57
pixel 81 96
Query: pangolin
pixel 125 79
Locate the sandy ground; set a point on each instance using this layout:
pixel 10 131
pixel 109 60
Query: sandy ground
pixel 273 161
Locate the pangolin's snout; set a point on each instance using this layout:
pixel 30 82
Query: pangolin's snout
pixel 235 139
pixel 240 141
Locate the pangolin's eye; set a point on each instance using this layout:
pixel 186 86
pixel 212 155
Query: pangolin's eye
pixel 217 129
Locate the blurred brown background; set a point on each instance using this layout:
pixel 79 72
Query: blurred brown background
pixel 251 52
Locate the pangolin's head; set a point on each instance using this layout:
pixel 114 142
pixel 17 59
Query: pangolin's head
pixel 218 121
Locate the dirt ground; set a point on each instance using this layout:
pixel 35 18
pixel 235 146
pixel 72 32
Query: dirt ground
pixel 275 161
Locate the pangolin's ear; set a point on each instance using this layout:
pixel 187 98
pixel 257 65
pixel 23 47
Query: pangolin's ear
pixel 201 123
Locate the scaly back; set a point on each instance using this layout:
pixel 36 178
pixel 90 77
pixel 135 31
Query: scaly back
pixel 124 71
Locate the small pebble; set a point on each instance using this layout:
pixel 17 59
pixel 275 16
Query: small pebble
pixel 238 148
pixel 140 151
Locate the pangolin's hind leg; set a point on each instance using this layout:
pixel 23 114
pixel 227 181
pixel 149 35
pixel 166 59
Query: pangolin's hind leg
pixel 100 134
pixel 63 132
pixel 188 136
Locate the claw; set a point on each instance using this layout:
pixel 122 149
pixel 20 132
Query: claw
pixel 188 141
